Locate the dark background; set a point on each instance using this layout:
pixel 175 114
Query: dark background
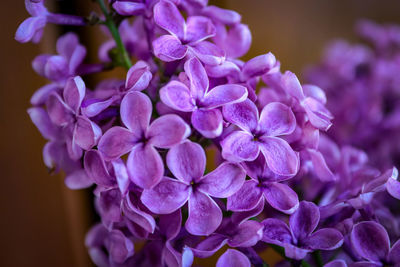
pixel 43 223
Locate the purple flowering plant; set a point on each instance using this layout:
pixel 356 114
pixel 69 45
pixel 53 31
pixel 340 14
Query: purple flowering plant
pixel 196 152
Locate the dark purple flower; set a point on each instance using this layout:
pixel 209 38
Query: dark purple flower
pixel 187 162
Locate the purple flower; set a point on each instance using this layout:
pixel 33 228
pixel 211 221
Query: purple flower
pixel 187 162
pixel 140 138
pixel 299 238
pixel 233 257
pixel 371 241
pixel 199 99
pixel 263 185
pixel 261 133
pixel 184 36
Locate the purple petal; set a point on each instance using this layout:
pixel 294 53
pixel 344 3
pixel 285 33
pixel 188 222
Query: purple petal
pixel 41 95
pixel 168 17
pixel 225 16
pixel 35 8
pixel 258 66
pixel 42 121
pixel 243 114
pixel 247 234
pixel 292 85
pixel 138 76
pixel 294 252
pixel 393 185
pixel 276 232
pixel 370 240
pixel 170 224
pixel 167 131
pixel 116 142
pixel 166 197
pixel 120 247
pixel 224 181
pixel 210 245
pixel 66 44
pixel 187 161
pixel 204 215
pixel 29 28
pixel 336 263
pixel 314 92
pixel 246 198
pixel 109 203
pixel 239 146
pixel 281 197
pixel 96 168
pixel 207 122
pixel 86 133
pixel 78 180
pixel 39 63
pixel 280 157
pixel 325 239
pixel 277 119
pixel 76 59
pixel 177 96
pixel 59 113
pixel 198 29
pixel 131 210
pixel 208 53
pixel 197 76
pixel 56 68
pixel 170 257
pixel 233 258
pixel 121 175
pixel 239 217
pixel 394 253
pixel 126 8
pixel 136 112
pixel 168 48
pixel 304 220
pixel 321 169
pixel 236 42
pixel 94 107
pixel 224 69
pixel 145 166
pixel 187 257
pixel 318 115
pixel 225 94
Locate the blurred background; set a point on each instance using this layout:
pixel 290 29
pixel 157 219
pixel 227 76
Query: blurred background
pixel 43 223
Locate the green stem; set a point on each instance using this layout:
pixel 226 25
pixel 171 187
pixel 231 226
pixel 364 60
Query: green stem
pixel 318 258
pixel 125 60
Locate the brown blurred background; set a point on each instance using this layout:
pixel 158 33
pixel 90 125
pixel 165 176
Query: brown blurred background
pixel 42 223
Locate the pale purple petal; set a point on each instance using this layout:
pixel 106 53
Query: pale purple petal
pixel 187 161
pixel 166 197
pixel 246 198
pixel 167 131
pixel 294 252
pixel 224 94
pixel 86 133
pixel 168 48
pixel 277 119
pixel 325 239
pixel 258 66
pixel 304 220
pixel 120 247
pixel 109 203
pixel 336 263
pixel 207 122
pixel 370 240
pixel 210 245
pixel 281 197
pixel 197 76
pixel 233 258
pixel 121 175
pixel 276 232
pixel 239 146
pixel 315 92
pixel 59 113
pixel 116 142
pixel 132 211
pixel 42 121
pixel 187 257
pixel 129 8
pixel 247 234
pixel 224 16
pixel 96 168
pixel 319 116
pixel 243 114
pixel 168 17
pixel 77 57
pixel 393 185
pixel 198 28
pixel 94 107
pixel 321 169
pixel 236 42
pixel 169 256
pixel 177 96
pixel 78 180
pixel 138 76
pixel 224 181
pixel 56 68
pixel 280 157
pixel 239 217
pixel 292 85
pixel 29 28
pixel 41 95
pixel 136 111
pixel 208 53
pixel 204 215
pixel 145 166
pixel 227 68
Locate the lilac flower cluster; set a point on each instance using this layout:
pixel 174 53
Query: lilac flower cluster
pixel 197 151
pixel 367 74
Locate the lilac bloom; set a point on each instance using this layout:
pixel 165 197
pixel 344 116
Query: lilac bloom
pixel 371 241
pixel 58 68
pixel 187 162
pixel 184 36
pixel 318 115
pixel 233 258
pixel 261 133
pixel 32 28
pixel 199 99
pixel 140 138
pixel 64 112
pixel 264 185
pixel 299 238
